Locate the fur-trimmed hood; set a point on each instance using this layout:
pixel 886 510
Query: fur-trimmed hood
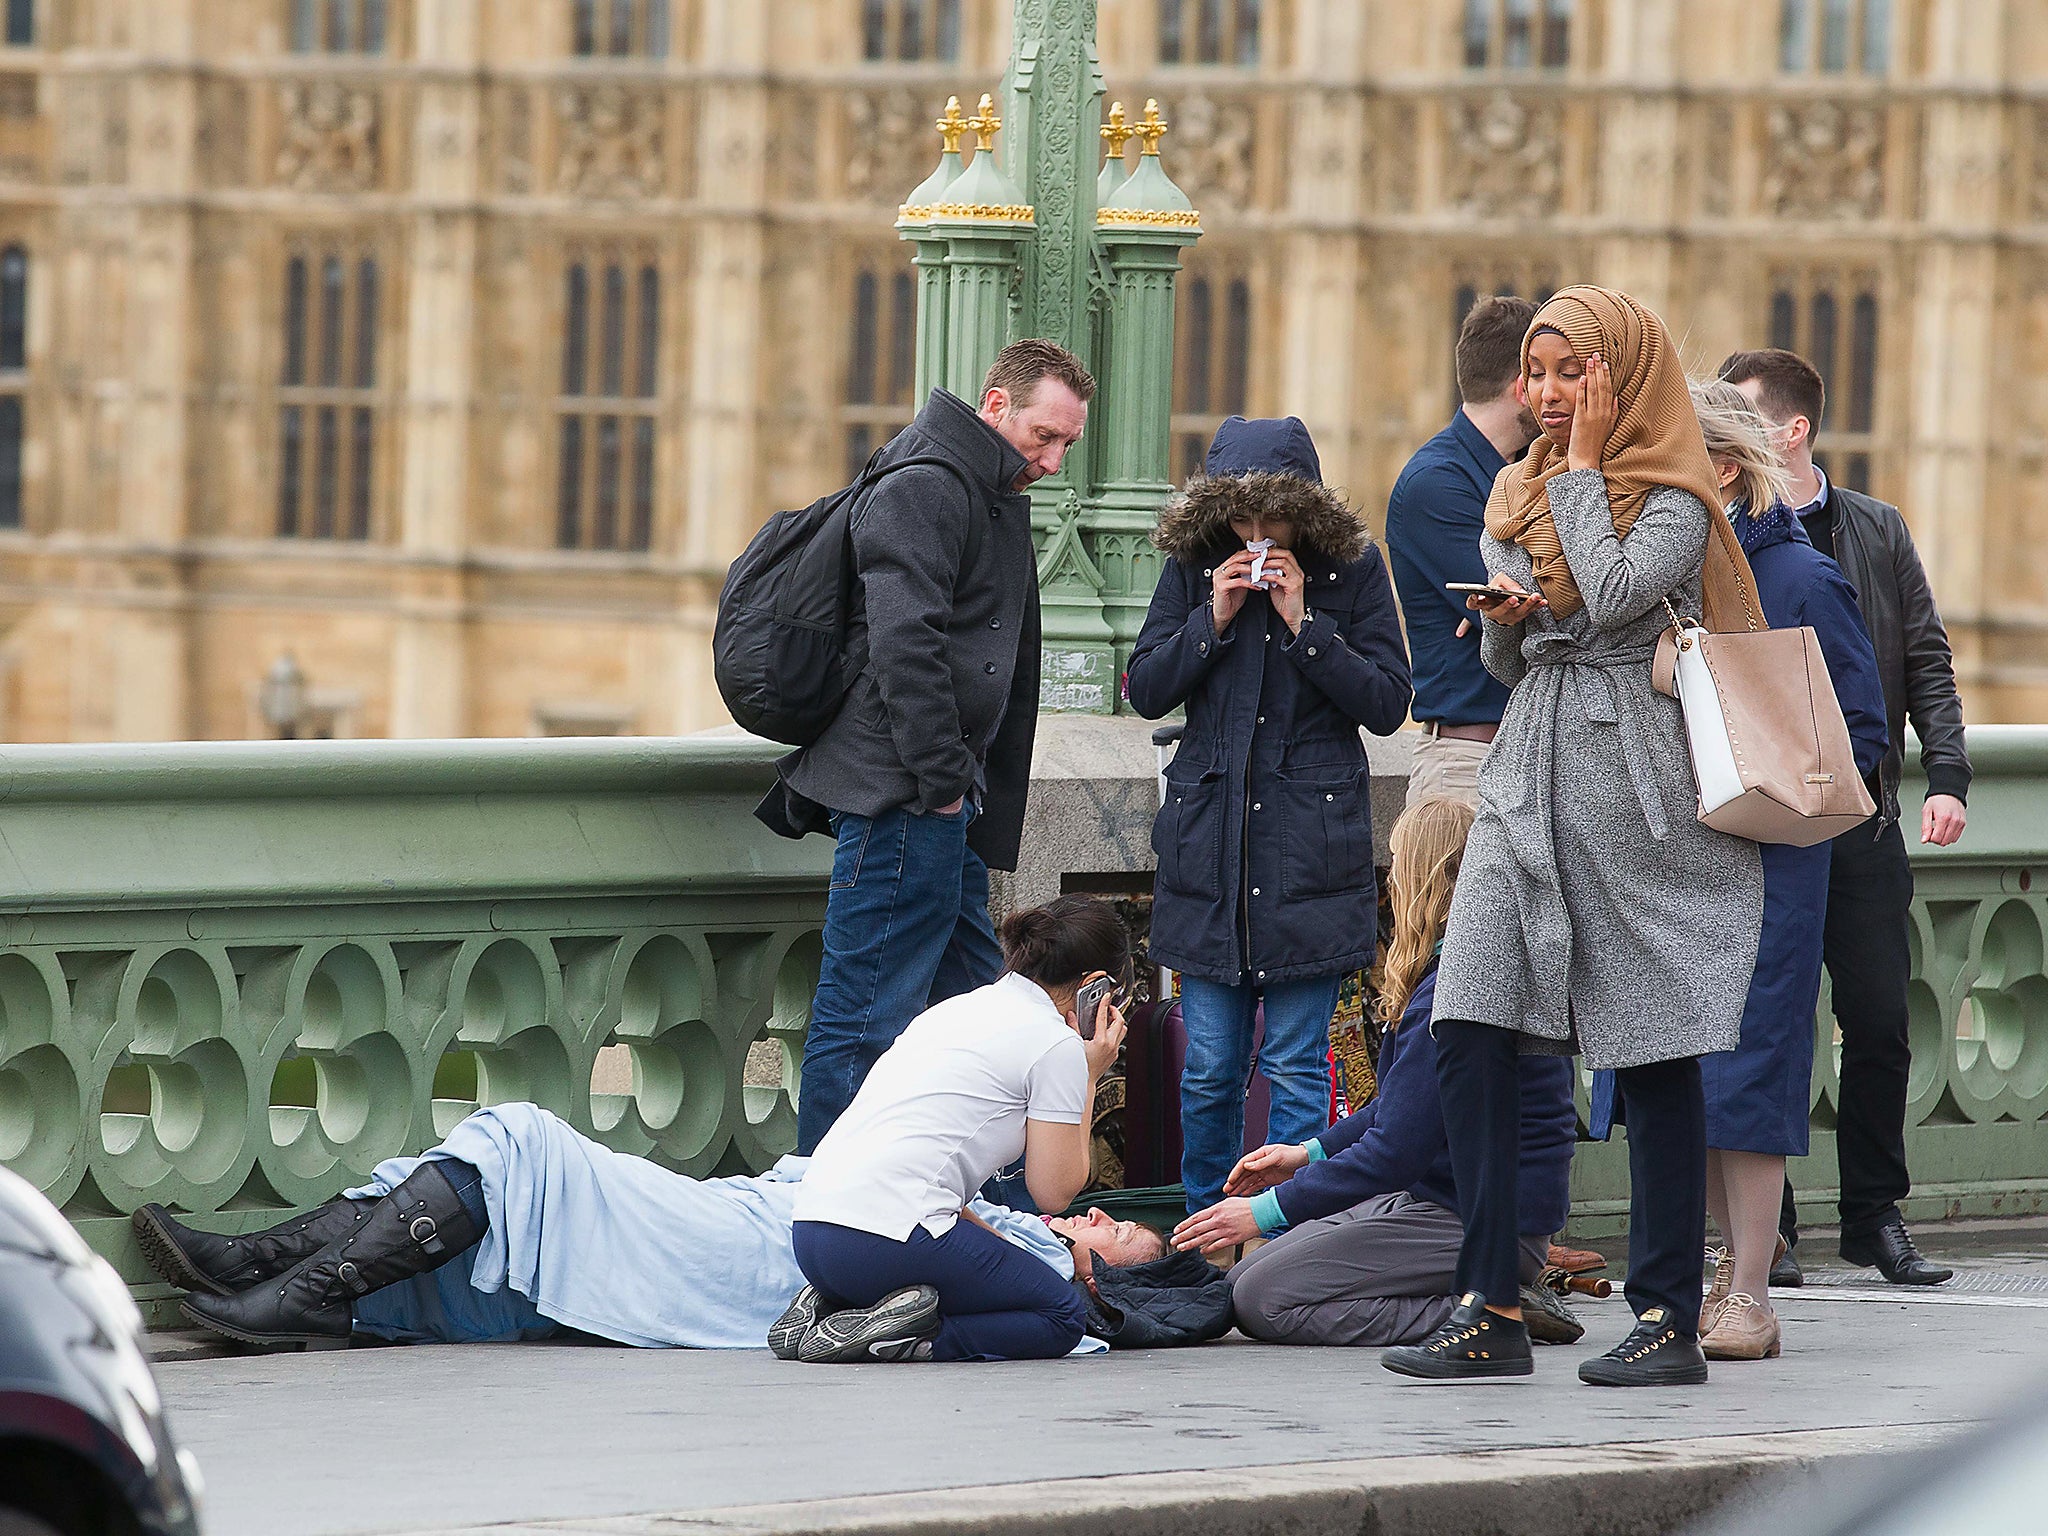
pixel 1269 467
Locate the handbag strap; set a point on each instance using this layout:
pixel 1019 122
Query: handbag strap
pixel 1728 596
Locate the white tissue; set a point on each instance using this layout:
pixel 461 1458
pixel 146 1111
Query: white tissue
pixel 1258 547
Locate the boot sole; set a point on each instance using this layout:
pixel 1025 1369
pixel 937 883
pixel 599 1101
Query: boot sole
pixel 1667 1376
pixel 164 1255
pixel 305 1342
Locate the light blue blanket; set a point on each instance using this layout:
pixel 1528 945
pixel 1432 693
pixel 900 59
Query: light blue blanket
pixel 613 1245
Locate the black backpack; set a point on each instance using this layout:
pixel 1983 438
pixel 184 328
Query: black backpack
pixel 779 648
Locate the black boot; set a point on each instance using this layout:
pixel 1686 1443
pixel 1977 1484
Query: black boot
pixel 1891 1249
pixel 419 1226
pixel 220 1266
pixel 1473 1344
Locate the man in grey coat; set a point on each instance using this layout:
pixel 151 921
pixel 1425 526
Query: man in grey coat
pixel 922 775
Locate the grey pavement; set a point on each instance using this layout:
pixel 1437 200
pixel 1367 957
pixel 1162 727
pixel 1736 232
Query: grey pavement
pixel 465 1437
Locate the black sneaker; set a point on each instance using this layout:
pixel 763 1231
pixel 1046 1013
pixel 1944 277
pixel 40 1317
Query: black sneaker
pixel 1474 1343
pixel 1547 1317
pixel 1654 1355
pixel 787 1332
pixel 900 1326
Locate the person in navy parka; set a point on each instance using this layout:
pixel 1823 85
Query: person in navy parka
pixel 1758 1095
pixel 1265 887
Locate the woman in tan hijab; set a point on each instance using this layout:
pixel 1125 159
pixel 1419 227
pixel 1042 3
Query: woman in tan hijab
pixel 1595 915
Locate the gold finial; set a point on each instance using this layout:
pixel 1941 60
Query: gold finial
pixel 1151 128
pixel 1116 132
pixel 985 123
pixel 952 125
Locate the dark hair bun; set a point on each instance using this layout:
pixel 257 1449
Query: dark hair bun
pixel 1057 944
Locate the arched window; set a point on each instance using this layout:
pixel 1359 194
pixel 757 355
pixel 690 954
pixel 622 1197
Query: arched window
pixel 338 26
pixel 1210 31
pixel 1212 362
pixel 604 463
pixel 13 379
pixel 910 30
pixel 619 29
pixel 881 361
pixel 1830 318
pixel 328 403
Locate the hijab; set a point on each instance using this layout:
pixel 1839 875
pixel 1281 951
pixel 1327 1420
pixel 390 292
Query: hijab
pixel 1655 442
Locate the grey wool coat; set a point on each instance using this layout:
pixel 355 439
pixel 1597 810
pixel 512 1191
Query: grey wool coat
pixel 1594 912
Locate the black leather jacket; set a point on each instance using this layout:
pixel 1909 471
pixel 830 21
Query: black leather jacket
pixel 1875 551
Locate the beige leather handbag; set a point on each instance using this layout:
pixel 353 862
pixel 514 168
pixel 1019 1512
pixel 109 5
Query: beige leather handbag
pixel 1770 750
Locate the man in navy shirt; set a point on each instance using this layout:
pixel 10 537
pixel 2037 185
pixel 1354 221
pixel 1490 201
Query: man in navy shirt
pixel 1434 519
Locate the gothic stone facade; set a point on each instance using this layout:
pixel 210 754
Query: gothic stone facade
pixel 455 346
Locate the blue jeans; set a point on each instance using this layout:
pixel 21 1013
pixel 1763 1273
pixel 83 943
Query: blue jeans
pixel 1219 1021
pixel 906 926
pixel 996 1301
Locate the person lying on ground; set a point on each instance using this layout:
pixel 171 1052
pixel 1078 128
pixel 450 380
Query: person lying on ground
pixel 1364 1218
pixel 534 1229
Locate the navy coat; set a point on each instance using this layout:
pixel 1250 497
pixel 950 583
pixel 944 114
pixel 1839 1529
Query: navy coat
pixel 1758 1095
pixel 1265 837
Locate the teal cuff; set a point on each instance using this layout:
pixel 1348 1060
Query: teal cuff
pixel 1267 1213
pixel 1316 1154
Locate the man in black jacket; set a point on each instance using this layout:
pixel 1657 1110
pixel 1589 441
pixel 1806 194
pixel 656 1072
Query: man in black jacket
pixel 1870 885
pixel 922 775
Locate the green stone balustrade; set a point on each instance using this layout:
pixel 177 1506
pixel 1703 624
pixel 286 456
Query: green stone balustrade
pixel 234 977
pixel 1977 1109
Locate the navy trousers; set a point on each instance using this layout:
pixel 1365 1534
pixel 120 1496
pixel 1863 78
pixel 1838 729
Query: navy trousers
pixel 1478 1073
pixel 996 1302
pixel 906 926
pixel 1869 958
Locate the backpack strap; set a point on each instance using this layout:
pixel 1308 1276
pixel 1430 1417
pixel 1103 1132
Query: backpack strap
pixel 873 475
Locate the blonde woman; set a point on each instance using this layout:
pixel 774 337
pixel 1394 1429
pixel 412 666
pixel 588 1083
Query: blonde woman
pixel 1757 1094
pixel 1366 1214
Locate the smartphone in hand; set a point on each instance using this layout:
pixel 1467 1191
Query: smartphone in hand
pixel 1088 1002
pixel 1489 594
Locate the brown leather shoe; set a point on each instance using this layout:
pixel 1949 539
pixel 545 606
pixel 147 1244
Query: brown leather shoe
pixel 1575 1261
pixel 1717 1293
pixel 1746 1329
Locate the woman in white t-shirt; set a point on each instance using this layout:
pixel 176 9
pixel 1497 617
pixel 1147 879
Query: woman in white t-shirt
pixel 897 1268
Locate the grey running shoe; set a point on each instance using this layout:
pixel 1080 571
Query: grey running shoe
pixel 900 1326
pixel 1547 1318
pixel 787 1332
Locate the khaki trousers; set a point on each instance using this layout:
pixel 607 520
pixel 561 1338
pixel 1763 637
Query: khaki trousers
pixel 1446 767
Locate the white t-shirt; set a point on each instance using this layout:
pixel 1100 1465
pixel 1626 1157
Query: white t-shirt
pixel 944 1109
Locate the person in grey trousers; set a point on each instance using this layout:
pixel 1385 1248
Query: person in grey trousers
pixel 921 777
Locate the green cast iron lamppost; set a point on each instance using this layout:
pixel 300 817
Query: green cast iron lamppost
pixel 1034 241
